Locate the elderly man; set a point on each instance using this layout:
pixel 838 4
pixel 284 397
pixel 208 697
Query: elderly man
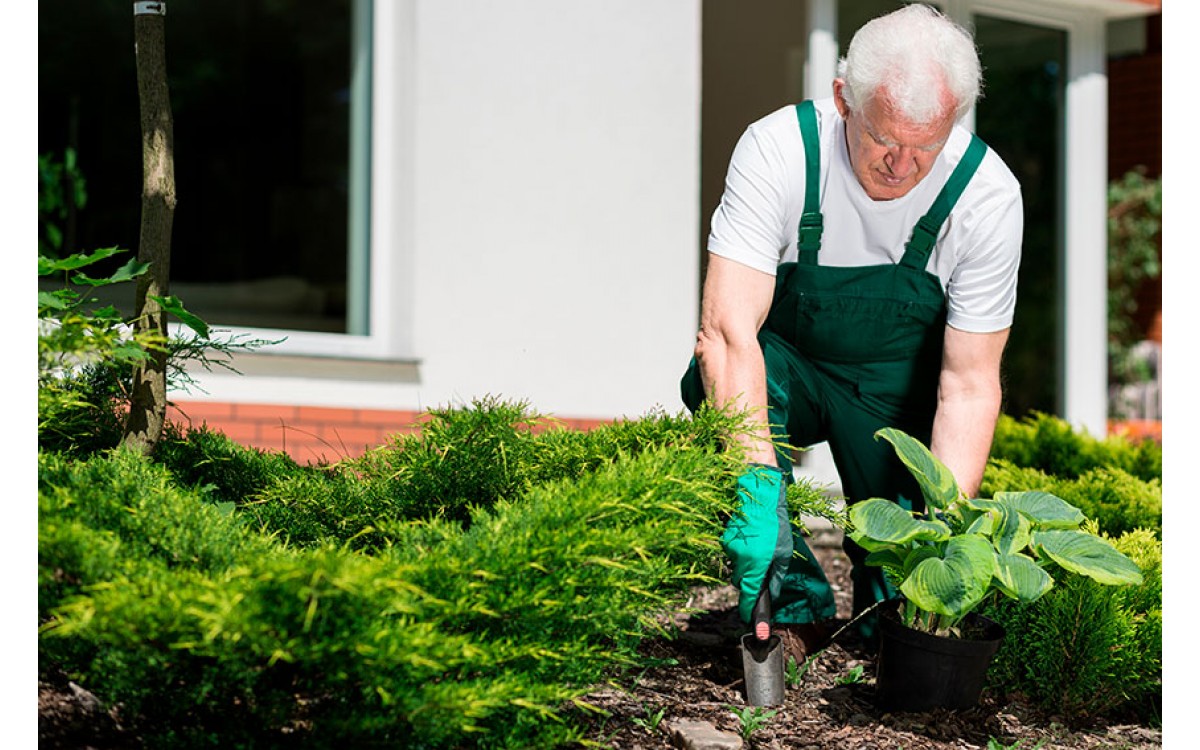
pixel 862 274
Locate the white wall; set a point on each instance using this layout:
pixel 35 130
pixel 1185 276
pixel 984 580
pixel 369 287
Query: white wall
pixel 557 201
pixel 552 249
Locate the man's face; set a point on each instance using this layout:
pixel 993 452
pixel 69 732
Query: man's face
pixel 890 155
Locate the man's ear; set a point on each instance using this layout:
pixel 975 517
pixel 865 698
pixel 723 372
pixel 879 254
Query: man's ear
pixel 839 97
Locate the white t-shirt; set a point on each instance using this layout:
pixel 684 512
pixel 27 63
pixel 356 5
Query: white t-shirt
pixel 978 249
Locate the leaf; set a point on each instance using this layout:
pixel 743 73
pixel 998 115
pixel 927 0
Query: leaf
pixel 952 584
pixel 1010 530
pixel 983 524
pixel 881 520
pixel 176 308
pixel 937 482
pixel 131 270
pixel 57 300
pixel 1020 578
pixel 1045 510
pixel 885 558
pixel 1089 555
pixel 47 266
pixel 920 553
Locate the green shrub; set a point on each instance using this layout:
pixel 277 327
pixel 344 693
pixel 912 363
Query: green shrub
pixel 225 471
pixel 137 503
pixel 1050 444
pixel 1087 650
pixel 455 634
pixel 463 460
pixel 1117 501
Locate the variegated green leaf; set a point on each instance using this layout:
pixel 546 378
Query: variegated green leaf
pixel 1020 578
pixel 983 524
pixel 954 583
pixel 937 482
pixel 917 555
pixel 885 558
pixel 1010 532
pixel 1046 511
pixel 882 520
pixel 1089 555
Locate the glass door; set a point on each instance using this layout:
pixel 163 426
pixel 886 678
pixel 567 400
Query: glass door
pixel 1021 116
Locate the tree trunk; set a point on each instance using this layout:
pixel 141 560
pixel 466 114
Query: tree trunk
pixel 148 401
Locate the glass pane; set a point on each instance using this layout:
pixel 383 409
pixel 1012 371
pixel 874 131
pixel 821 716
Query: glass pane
pixel 1021 116
pixel 261 94
pixel 852 16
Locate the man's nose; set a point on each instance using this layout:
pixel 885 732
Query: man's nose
pixel 900 161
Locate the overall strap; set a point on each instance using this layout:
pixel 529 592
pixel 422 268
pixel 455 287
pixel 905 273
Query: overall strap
pixel 808 238
pixel 924 234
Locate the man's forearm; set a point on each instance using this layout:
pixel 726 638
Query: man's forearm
pixel 735 378
pixel 962 434
pixel 968 403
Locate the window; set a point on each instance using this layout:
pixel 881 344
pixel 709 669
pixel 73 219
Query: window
pixel 271 106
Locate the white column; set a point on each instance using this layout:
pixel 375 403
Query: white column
pixel 1084 277
pixel 821 66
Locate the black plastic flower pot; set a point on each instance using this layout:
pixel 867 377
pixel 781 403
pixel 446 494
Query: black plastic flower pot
pixel 919 671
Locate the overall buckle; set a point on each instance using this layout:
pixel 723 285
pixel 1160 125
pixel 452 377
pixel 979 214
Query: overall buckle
pixel 809 235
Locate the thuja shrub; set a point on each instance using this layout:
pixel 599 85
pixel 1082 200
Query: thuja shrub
pixel 453 634
pixel 224 471
pixel 135 503
pixel 1116 500
pixel 1050 444
pixel 1086 650
pixel 463 460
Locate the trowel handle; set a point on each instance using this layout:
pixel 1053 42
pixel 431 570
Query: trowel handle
pixel 760 616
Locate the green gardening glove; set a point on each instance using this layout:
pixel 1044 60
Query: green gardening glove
pixel 758 537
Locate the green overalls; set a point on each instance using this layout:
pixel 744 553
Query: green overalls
pixel 850 350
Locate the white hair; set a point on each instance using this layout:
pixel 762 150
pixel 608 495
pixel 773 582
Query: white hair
pixel 914 56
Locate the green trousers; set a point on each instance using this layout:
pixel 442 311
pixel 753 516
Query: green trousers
pixel 810 402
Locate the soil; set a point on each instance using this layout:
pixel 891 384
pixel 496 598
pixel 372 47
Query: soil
pixel 696 675
pixel 702 681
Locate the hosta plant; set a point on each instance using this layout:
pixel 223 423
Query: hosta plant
pixel 947 560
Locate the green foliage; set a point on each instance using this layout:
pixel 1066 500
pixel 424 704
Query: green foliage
pixel 1087 650
pixel 995 744
pixel 466 460
pixel 652 718
pixel 965 549
pixel 158 591
pixel 1116 500
pixel 222 470
pixel 1134 257
pixel 61 188
pixel 1048 443
pixel 854 676
pixel 138 502
pixel 461 458
pixel 87 353
pixel 751 719
pixel 77 340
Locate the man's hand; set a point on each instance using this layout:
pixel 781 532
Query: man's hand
pixel 758 538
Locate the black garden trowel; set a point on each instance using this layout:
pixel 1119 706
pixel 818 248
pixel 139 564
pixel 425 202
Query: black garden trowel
pixel 762 657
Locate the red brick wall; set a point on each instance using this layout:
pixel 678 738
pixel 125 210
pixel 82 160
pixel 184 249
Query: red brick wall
pixel 309 434
pixel 1135 108
pixel 1135 140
